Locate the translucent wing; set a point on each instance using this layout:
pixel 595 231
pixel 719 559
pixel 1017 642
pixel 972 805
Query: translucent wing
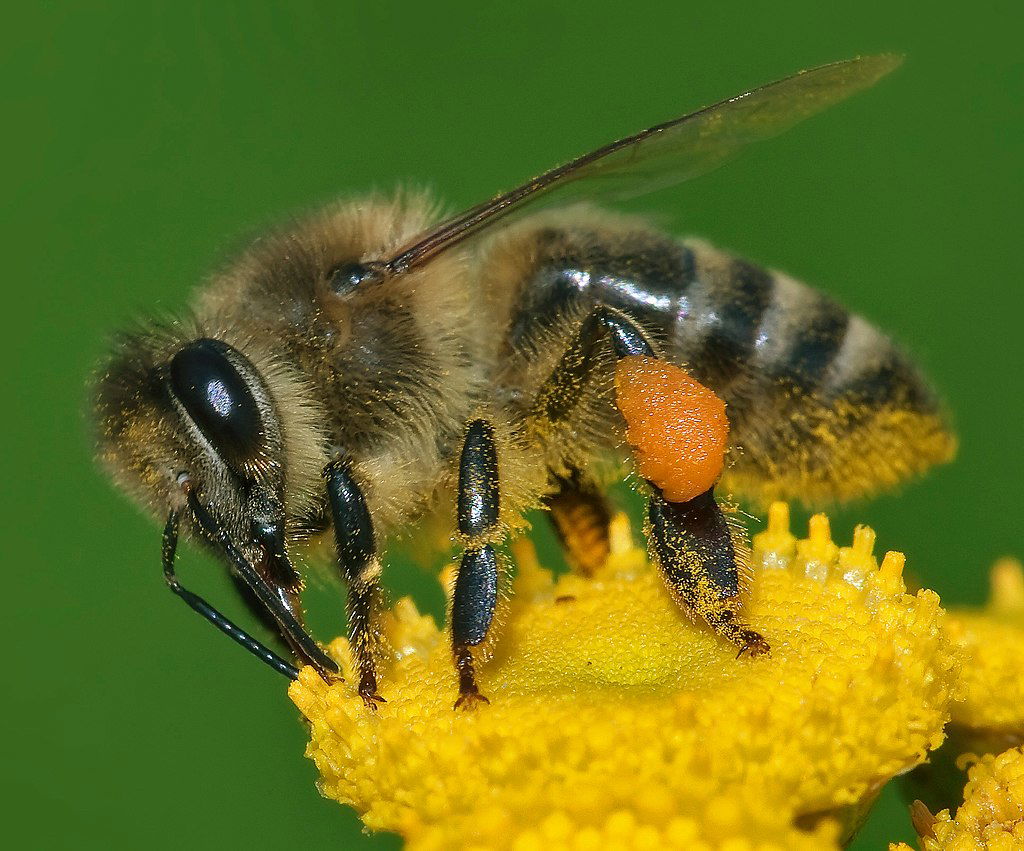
pixel 665 154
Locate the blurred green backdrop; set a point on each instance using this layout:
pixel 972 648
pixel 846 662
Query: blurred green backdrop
pixel 144 143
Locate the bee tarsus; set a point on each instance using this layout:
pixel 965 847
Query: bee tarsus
pixel 693 546
pixel 469 694
pixel 368 691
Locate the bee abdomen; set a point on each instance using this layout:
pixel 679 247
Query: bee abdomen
pixel 753 334
pixel 745 330
pixel 730 322
pixel 822 405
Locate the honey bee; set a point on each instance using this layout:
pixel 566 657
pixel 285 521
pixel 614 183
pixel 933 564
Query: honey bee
pixel 379 364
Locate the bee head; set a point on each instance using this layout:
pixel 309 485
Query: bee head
pixel 190 418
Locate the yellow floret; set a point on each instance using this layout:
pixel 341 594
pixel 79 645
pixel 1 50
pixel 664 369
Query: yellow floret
pixel 992 643
pixel 617 722
pixel 992 815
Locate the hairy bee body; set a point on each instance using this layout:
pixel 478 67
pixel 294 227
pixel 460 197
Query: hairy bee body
pixel 822 405
pixel 377 363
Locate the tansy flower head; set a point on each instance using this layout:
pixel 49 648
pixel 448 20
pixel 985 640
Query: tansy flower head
pixel 987 717
pixel 992 644
pixel 615 721
pixel 991 817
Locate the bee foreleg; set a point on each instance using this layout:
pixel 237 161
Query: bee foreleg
pixel 693 547
pixel 357 556
pixel 198 604
pixel 476 585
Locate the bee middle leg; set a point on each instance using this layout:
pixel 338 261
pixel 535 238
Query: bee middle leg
pixel 476 585
pixel 691 541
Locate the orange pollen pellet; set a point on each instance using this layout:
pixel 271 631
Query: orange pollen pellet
pixel 676 426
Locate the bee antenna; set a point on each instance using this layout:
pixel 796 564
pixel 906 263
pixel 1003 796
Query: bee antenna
pixel 290 627
pixel 198 604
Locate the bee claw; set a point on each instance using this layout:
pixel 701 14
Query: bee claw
pixel 371 700
pixel 368 690
pixel 469 701
pixel 753 643
pixel 329 677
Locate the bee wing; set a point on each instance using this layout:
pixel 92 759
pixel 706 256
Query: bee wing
pixel 665 154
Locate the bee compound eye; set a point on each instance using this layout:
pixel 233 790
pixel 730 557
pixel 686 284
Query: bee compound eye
pixel 217 398
pixel 346 277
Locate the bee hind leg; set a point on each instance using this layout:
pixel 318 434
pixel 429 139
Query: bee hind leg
pixel 361 568
pixel 691 540
pixel 692 544
pixel 579 510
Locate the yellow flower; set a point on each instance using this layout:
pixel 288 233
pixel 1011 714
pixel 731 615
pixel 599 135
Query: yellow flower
pixel 992 645
pixel 987 718
pixel 992 815
pixel 615 722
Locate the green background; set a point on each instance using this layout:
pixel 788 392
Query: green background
pixel 146 143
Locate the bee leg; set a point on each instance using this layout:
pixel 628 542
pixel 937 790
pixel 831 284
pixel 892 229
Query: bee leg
pixel 476 586
pixel 357 555
pixel 198 604
pixel 565 387
pixel 693 547
pixel 580 516
pixel 691 540
pixel 578 510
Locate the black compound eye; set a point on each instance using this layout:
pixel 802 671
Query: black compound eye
pixel 345 277
pixel 218 400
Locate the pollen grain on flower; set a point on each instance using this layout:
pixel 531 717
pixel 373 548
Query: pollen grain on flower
pixel 616 721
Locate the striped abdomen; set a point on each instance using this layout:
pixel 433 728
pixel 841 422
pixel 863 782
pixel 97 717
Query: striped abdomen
pixel 822 406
